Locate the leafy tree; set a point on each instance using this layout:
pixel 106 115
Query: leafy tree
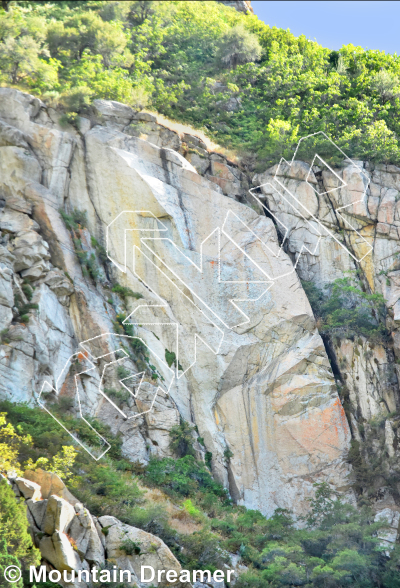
pixel 140 11
pixel 61 463
pixel 23 51
pixel 386 84
pixel 238 46
pixel 10 445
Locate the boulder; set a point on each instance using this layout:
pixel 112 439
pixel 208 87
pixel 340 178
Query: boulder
pixel 50 484
pixel 29 249
pixel 59 283
pixel 146 117
pixel 9 135
pixel 141 549
pixel 193 141
pixel 34 272
pixel 59 551
pixel 37 510
pixel 84 533
pixel 13 221
pixel 199 161
pixel 110 111
pixel 154 133
pixel 59 514
pixel 28 489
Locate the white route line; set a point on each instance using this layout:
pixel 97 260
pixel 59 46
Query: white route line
pixel 337 210
pixel 87 356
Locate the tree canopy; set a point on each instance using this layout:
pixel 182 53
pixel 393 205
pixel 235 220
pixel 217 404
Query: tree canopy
pixel 252 88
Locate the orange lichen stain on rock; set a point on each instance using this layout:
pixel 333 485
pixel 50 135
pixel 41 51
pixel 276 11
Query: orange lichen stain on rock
pixel 68 387
pixel 216 417
pixel 82 355
pixel 323 434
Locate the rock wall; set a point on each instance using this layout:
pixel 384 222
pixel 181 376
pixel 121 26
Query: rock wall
pixel 367 198
pixel 250 368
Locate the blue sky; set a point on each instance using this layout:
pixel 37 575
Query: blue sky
pixel 370 24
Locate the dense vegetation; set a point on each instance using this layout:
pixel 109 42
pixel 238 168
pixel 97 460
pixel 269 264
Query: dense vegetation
pixel 338 546
pixel 253 88
pixel 344 309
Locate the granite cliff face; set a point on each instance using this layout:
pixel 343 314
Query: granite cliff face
pixel 253 375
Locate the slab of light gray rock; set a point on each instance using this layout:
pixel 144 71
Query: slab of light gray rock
pixel 9 135
pixel 59 283
pixel 112 111
pixel 146 117
pixel 6 289
pixel 83 531
pixel 35 271
pixel 58 550
pixel 29 249
pixel 14 221
pixel 37 510
pixel 59 514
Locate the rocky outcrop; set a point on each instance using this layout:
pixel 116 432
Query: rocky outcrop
pixel 230 338
pixel 71 539
pixel 132 548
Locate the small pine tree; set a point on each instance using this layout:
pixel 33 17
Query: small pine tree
pixel 14 527
pixel 7 560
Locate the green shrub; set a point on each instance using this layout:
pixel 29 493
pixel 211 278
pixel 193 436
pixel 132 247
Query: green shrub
pixel 183 477
pixel 6 560
pixel 181 437
pixel 4 336
pixel 87 261
pixel 76 220
pixel 170 358
pixel 122 395
pixel 228 454
pixel 126 327
pixel 130 547
pixel 122 372
pixel 70 118
pixel 101 251
pixel 126 292
pixel 27 290
pixel 346 310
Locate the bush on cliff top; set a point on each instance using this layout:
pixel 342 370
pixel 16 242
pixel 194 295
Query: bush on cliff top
pixel 248 86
